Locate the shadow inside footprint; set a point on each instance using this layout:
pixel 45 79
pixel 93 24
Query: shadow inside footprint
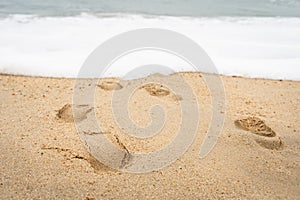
pixel 156 89
pixel 255 125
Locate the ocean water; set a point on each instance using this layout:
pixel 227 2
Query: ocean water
pixel 258 38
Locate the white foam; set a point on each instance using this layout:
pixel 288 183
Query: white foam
pixel 58 46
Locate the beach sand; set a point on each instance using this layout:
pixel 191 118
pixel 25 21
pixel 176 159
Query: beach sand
pixel 257 155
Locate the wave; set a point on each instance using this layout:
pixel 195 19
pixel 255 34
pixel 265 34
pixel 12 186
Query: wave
pixel 58 46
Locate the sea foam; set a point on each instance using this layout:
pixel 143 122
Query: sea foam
pixel 58 46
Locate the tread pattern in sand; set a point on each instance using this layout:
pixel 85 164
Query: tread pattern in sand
pixel 255 125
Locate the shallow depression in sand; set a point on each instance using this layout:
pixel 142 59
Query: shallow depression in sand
pixel 110 85
pixel 156 89
pixel 255 125
pixel 66 113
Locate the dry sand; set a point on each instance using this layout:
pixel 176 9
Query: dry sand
pixel 256 157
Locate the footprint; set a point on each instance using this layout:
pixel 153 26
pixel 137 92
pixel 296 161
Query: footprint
pixel 263 134
pixel 255 125
pixel 66 113
pixel 110 85
pixel 156 89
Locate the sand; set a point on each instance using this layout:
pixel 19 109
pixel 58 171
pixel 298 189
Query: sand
pixel 257 155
